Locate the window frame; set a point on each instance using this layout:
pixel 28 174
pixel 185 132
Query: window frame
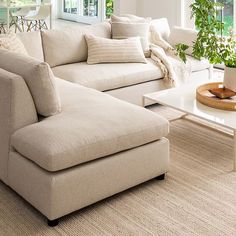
pixel 79 17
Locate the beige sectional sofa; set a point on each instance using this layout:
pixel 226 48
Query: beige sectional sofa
pixel 95 145
pixel 66 52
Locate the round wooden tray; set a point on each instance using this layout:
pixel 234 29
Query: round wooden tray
pixel 208 99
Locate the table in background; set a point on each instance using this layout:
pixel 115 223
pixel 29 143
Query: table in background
pixel 10 7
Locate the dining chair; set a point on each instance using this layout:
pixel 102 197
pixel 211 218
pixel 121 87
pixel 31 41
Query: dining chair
pixel 2 27
pixel 37 21
pixel 18 17
pixel 3 21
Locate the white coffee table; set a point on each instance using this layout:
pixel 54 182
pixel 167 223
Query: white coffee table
pixel 184 99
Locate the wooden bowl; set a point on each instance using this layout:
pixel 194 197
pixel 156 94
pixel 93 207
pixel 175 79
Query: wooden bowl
pixel 205 97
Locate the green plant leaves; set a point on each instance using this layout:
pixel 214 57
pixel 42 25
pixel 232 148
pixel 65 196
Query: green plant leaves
pixel 210 43
pixel 181 48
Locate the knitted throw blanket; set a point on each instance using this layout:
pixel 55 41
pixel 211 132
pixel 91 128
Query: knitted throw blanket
pixel 175 71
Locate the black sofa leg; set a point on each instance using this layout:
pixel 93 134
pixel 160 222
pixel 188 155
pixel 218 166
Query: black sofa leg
pixel 161 177
pixel 53 223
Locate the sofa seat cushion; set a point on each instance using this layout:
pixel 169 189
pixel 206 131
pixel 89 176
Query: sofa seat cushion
pixel 198 65
pixel 91 125
pixel 104 77
pixel 69 46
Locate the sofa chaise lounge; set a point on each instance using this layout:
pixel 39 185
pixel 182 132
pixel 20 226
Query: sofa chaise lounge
pixel 64 146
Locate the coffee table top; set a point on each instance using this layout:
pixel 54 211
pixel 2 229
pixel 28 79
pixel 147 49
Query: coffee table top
pixel 184 99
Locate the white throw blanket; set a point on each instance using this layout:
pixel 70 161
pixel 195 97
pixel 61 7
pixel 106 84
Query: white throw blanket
pixel 175 71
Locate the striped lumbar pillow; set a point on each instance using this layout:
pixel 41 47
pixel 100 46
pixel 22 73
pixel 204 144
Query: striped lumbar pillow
pixel 131 26
pixel 102 50
pixel 121 30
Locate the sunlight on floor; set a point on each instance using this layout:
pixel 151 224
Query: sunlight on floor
pixel 65 24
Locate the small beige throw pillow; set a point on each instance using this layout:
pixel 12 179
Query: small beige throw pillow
pixel 102 50
pixel 12 43
pixel 38 77
pixel 131 26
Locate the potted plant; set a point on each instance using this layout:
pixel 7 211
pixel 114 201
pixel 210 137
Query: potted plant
pixel 210 42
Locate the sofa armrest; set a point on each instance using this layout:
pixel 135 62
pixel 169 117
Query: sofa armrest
pixel 183 35
pixel 16 111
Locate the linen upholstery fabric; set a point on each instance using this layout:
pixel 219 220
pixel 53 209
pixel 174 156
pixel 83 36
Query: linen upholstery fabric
pixel 33 44
pixel 198 65
pixel 126 30
pixel 162 27
pixel 13 43
pixel 39 78
pixel 55 43
pixel 83 131
pixel 159 32
pixel 183 35
pixel 156 39
pixel 105 77
pixel 16 111
pixel 57 194
pixel 102 50
pixel 134 94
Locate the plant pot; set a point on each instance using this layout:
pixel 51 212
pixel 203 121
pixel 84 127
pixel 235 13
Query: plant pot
pixel 230 78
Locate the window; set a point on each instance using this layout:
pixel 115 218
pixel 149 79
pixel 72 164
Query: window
pixel 227 15
pixel 109 8
pixel 90 8
pixel 70 6
pixel 87 11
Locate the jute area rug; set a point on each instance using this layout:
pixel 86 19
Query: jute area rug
pixel 198 196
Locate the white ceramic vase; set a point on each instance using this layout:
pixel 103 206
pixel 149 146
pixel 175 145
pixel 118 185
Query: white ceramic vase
pixel 230 78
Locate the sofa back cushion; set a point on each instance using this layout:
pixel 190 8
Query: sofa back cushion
pixel 162 27
pixel 122 30
pixel 33 44
pixel 183 35
pixel 69 46
pixel 39 78
pixel 13 43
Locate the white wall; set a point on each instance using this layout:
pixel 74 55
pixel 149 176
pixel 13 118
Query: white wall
pixel 125 7
pixel 176 11
pixel 55 6
pixel 171 9
pixel 187 21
